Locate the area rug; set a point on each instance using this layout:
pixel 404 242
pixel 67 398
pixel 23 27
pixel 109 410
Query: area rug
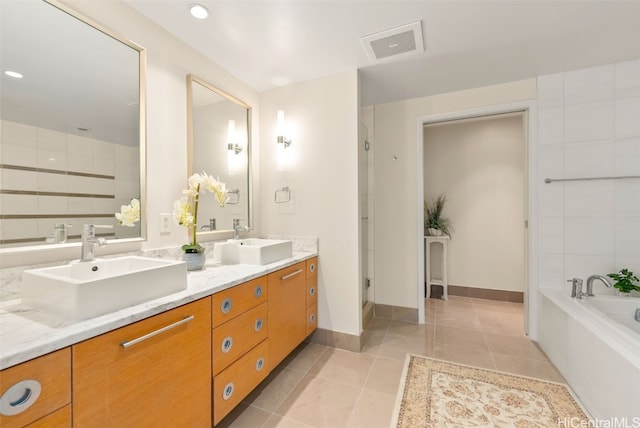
pixel 436 393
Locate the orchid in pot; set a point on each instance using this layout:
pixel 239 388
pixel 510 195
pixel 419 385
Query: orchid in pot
pixel 185 212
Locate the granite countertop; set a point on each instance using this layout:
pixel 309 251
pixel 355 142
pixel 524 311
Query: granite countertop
pixel 27 333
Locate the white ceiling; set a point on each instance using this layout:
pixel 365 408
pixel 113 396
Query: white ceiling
pixel 468 43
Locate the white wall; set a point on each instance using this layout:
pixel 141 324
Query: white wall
pixel 168 63
pixel 479 165
pixel 323 177
pixel 589 126
pixel 396 183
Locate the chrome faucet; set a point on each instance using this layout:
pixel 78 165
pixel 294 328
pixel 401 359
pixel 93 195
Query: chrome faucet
pixel 592 278
pixel 88 239
pixel 576 287
pixel 237 228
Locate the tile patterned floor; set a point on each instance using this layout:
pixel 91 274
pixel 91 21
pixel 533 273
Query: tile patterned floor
pixel 317 386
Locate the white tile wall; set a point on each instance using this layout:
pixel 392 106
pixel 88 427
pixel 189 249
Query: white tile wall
pixel 588 126
pixel 36 147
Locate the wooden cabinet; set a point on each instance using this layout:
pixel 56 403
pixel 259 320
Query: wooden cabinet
pixel 312 294
pixel 287 311
pixel 238 380
pixel 240 351
pixel 155 372
pixel 59 419
pixel 52 376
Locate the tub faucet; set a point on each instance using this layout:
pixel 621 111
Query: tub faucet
pixel 88 239
pixel 592 278
pixel 576 287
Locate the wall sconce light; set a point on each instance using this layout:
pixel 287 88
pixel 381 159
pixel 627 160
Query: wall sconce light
pixel 281 131
pixel 234 149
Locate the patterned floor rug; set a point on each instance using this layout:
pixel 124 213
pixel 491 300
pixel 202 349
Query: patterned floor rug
pixel 436 393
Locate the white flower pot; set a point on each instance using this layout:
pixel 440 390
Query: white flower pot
pixel 194 261
pixel 434 232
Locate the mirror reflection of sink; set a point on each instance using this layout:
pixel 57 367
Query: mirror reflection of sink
pixel 82 290
pixel 254 251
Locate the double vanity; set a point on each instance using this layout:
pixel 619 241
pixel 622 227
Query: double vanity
pixel 184 359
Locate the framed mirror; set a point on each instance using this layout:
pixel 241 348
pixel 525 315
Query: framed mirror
pixel 219 143
pixel 72 117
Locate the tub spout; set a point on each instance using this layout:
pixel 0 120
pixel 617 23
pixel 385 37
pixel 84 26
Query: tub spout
pixel 592 278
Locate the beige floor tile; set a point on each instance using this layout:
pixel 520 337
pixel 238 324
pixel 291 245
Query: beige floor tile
pixel 343 366
pixel 244 416
pixel 379 324
pixel 531 368
pixel 385 376
pixel 501 322
pixel 274 389
pixel 513 346
pixel 460 319
pixel 397 347
pixel 371 342
pixel 461 355
pixel 374 409
pixel 492 305
pixel 320 402
pixel 304 356
pixel 276 421
pixel 464 338
pixel 424 332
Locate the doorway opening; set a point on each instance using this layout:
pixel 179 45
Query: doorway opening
pixel 479 162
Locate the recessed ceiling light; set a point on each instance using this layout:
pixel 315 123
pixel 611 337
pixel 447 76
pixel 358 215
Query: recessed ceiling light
pixel 198 11
pixel 13 74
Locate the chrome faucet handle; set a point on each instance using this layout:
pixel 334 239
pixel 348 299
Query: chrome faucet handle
pixel 576 287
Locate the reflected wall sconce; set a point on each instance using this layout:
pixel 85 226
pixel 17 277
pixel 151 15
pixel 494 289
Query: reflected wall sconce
pixel 232 140
pixel 234 161
pixel 281 130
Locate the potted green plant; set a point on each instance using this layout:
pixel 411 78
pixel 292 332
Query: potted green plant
pixel 185 212
pixel 435 223
pixel 624 281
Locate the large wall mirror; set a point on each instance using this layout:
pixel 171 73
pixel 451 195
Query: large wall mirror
pixel 72 118
pixel 219 141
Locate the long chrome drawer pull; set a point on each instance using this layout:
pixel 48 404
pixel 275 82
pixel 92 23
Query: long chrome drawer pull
pixel 125 345
pixel 291 274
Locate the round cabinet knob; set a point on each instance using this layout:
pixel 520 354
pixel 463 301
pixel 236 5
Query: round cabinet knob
pixel 227 343
pixel 225 306
pixel 20 397
pixel 257 326
pixel 258 291
pixel 260 364
pixel 312 291
pixel 228 391
pixel 312 318
pixel 312 267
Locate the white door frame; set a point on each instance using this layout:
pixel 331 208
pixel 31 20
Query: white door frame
pixel 531 153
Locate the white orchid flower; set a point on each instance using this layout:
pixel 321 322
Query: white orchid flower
pixel 129 214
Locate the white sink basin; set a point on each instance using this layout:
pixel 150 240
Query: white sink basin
pixel 253 251
pixel 82 290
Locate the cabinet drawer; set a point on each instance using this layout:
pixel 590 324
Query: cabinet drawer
pixel 232 302
pixel 233 384
pixel 312 267
pixel 155 372
pixel 52 372
pixel 58 419
pixel 312 318
pixel 235 337
pixel 312 291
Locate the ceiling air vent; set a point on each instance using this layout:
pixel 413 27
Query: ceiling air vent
pixel 394 43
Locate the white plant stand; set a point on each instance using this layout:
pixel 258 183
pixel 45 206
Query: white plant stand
pixel 444 281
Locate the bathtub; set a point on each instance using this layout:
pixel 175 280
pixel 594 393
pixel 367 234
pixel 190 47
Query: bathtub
pixel 595 344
